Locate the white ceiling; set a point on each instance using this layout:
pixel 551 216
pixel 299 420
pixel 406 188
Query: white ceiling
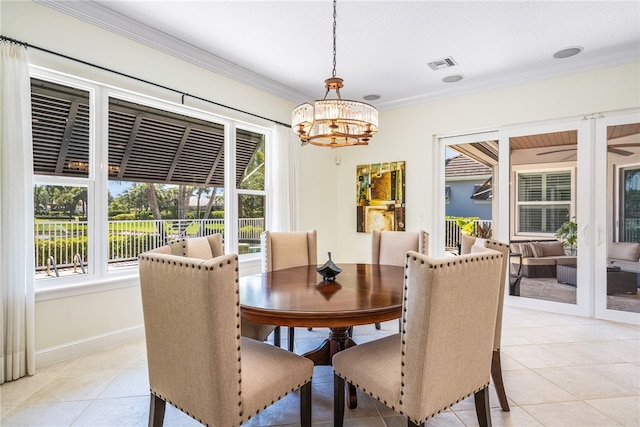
pixel 383 47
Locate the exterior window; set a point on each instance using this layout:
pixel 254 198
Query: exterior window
pixel 630 205
pixel 252 197
pixel 62 170
pixel 166 179
pixel 447 194
pixel 543 201
pixel 146 173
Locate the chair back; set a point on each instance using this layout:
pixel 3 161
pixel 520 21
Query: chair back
pixel 287 249
pixel 391 247
pixel 192 317
pixel 208 247
pixel 503 248
pixel 449 317
pixel 205 247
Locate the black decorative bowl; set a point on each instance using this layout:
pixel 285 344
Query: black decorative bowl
pixel 329 270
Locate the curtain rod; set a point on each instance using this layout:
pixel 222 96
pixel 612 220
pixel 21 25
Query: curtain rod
pixel 25 44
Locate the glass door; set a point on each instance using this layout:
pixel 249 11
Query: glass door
pixel 547 168
pixel 617 266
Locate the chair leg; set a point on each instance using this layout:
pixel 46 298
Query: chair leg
pixel 482 407
pixel 378 325
pixel 291 338
pixel 496 374
pixel 305 405
pixel 156 411
pixel 276 336
pixel 338 401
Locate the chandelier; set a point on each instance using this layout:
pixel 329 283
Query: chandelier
pixel 334 122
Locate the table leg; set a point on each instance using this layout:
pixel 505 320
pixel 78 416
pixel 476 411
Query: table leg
pixel 338 340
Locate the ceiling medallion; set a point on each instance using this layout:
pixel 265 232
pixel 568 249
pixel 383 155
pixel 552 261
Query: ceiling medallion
pixel 334 122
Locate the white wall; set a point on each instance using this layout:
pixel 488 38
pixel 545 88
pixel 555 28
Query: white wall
pixel 71 324
pixel 327 190
pixel 408 134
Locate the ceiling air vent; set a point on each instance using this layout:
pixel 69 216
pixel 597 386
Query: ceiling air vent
pixel 440 64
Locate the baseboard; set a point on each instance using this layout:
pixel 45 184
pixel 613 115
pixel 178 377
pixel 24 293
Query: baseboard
pixel 73 349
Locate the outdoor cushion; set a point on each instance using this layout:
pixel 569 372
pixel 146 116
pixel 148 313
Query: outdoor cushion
pixel 555 248
pixel 627 251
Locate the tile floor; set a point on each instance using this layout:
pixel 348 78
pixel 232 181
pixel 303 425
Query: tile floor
pixel 559 370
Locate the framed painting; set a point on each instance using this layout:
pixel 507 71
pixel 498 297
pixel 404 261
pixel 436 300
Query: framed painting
pixel 380 199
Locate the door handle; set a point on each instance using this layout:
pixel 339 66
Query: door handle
pixel 583 234
pixel 598 235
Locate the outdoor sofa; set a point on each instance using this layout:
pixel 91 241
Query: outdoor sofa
pixel 541 258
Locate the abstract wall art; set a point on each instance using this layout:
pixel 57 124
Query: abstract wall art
pixel 380 197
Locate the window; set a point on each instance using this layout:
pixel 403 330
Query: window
pixel 543 201
pixel 61 165
pixel 629 205
pixel 155 173
pixel 447 194
pixel 250 173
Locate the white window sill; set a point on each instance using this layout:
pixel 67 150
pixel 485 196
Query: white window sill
pixel 50 289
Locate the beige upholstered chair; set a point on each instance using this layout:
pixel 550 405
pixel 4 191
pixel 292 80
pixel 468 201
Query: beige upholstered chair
pixel 197 360
pixel 443 353
pixel 287 249
pixel 206 248
pixel 391 247
pixel 473 245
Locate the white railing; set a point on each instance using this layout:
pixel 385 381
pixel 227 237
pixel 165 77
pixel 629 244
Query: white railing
pixel 63 244
pixel 452 232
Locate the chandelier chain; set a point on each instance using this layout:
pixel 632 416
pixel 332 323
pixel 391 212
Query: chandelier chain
pixel 335 15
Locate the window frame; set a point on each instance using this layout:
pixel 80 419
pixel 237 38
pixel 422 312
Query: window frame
pixel 517 203
pixel 98 276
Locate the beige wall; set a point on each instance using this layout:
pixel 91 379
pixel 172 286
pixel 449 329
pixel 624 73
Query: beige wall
pixel 326 190
pixel 408 133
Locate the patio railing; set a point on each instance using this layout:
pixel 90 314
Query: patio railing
pixel 63 244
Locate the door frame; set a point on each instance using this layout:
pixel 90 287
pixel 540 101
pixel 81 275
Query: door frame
pixel 600 125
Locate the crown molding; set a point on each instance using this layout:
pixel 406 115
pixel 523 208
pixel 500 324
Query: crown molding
pixel 100 16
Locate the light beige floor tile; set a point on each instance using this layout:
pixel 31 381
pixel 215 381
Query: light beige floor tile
pixel 128 383
pixel 625 410
pixel 509 364
pixel 516 417
pixel 127 411
pixel 565 414
pixel 596 382
pixel 469 403
pixel 16 392
pixel 526 387
pixel 45 414
pixel 71 386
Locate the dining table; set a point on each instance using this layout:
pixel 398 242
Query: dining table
pixel 300 297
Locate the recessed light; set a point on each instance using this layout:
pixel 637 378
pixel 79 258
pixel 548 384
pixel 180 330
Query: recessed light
pixel 371 97
pixel 568 52
pixel 452 79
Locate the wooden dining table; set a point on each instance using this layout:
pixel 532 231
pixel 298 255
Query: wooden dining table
pixel 299 297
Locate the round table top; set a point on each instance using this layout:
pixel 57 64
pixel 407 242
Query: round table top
pixel 360 294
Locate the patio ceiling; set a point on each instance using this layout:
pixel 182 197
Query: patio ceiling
pixel 145 144
pixel 486 152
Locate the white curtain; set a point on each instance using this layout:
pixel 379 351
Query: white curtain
pixel 283 206
pixel 17 343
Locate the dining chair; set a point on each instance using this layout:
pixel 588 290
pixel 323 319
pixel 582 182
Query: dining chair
pixel 391 247
pixel 287 249
pixel 208 247
pixel 496 365
pixel 443 353
pixel 197 360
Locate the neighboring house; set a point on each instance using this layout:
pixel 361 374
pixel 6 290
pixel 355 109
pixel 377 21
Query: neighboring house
pixel 467 188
